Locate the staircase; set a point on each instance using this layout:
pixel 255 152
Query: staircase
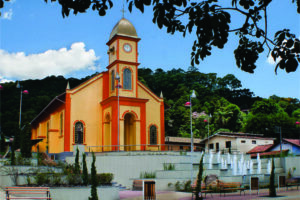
pixel 183 172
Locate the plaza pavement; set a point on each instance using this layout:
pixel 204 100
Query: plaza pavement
pixel 291 194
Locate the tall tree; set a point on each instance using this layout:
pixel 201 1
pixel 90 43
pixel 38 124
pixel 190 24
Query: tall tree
pixel 210 21
pixel 272 188
pixel 94 194
pixel 85 177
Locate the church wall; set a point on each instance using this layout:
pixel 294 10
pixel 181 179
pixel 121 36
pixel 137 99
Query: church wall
pixel 152 116
pixel 113 55
pixel 85 107
pixel 132 92
pixel 106 129
pixel 131 56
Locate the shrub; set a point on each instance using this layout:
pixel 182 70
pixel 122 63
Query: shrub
pixel 169 166
pixel 147 175
pixel 42 178
pixel 105 178
pixel 57 179
pixel 74 179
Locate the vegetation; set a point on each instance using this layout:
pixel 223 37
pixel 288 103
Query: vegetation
pixel 147 175
pixel 168 166
pixel 272 188
pixel 77 165
pixel 199 180
pixel 85 177
pixel 94 195
pixel 184 186
pixel 191 17
pixel 232 107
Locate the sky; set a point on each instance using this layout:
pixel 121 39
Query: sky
pixel 36 42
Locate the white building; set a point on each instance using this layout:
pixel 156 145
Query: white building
pixel 235 142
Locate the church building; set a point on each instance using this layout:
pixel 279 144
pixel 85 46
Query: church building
pixel 111 111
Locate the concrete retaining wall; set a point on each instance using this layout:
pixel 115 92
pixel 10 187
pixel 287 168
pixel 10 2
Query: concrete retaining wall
pixel 128 167
pixel 83 193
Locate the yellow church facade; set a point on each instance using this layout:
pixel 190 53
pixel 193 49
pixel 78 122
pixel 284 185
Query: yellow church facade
pixel 112 111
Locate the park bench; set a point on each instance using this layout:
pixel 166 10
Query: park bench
pixel 137 185
pixel 208 180
pixel 27 193
pixel 292 182
pixel 230 187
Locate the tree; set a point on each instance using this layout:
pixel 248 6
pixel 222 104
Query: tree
pixel 26 143
pixel 210 21
pixel 77 165
pixel 272 189
pixel 199 179
pixel 85 177
pixel 94 195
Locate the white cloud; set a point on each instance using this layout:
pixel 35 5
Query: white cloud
pixel 8 15
pixel 51 62
pixel 3 80
pixel 271 61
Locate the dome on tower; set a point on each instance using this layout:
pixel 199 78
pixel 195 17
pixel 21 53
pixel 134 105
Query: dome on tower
pixel 124 28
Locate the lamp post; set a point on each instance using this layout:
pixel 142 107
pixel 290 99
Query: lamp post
pixel 193 95
pixel 118 87
pixel 22 92
pixel 189 103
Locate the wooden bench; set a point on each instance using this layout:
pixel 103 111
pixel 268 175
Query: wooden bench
pixel 27 193
pixel 230 186
pixel 204 189
pixel 137 185
pixel 292 182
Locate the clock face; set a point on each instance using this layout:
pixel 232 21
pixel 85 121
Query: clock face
pixel 127 47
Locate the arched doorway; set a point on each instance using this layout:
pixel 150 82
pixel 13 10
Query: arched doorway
pixel 129 132
pixel 107 133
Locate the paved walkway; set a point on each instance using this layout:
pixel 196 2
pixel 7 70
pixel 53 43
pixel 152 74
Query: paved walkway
pixel 293 194
pixel 166 195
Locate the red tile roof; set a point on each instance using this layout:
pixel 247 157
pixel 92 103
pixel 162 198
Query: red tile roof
pixel 293 141
pixel 271 153
pixel 260 148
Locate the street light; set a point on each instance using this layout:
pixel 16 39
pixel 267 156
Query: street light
pixel 118 87
pixel 22 92
pixel 189 104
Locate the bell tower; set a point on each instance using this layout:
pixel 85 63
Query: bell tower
pixel 123 59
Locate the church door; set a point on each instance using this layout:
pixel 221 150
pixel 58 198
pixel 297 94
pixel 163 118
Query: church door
pixel 129 132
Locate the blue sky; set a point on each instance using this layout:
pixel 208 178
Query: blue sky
pixel 36 41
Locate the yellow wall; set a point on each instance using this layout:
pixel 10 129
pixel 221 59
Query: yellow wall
pixel 131 56
pixel 113 55
pixel 152 113
pixel 85 106
pixel 128 93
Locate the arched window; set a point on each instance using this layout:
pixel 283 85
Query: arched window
pixel 153 135
pixel 127 79
pixel 79 133
pixel 112 79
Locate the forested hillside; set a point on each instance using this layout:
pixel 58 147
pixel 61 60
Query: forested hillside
pixel 232 107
